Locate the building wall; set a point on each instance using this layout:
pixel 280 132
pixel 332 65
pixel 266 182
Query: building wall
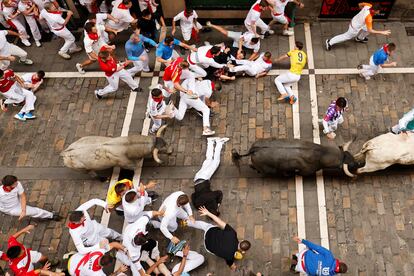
pixel 402 10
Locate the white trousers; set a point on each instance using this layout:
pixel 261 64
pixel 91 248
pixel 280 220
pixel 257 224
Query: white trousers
pixel 371 69
pixel 172 223
pixel 114 82
pixel 14 51
pixel 187 31
pixel 197 104
pixel 198 71
pixel 332 126
pixel 16 95
pixel 193 261
pixel 69 40
pixel 20 25
pixel 212 161
pixel 185 75
pixel 4 22
pixel 102 232
pixel 259 24
pixel 285 81
pixel 156 124
pixel 246 66
pixel 350 34
pixel 282 19
pixel 31 21
pixel 139 65
pixel 33 212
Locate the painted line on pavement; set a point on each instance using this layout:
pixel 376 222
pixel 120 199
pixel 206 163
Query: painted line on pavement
pixel 300 206
pixel 320 185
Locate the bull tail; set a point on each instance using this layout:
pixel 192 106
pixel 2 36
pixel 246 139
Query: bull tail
pixel 236 157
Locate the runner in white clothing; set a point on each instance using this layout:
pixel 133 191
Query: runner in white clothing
pixel 247 40
pixel 32 81
pixel 13 201
pixel 9 50
pixel 204 89
pixel 87 234
pixel 30 11
pixel 157 109
pixel 258 68
pixel 188 24
pixel 278 14
pixel 253 19
pixel 360 26
pixel 120 11
pixel 92 263
pixel 202 59
pixel 57 25
pixel 15 19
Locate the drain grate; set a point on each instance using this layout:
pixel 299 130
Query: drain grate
pixel 410 31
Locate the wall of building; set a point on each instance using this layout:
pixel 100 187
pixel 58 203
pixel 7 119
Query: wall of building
pixel 402 10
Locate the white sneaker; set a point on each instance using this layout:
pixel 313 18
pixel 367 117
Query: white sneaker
pixel 64 55
pixel 75 50
pixel 208 132
pixel 223 140
pixel 80 69
pixel 271 32
pixel 38 44
pixel 26 42
pixel 208 23
pixel 26 61
pixel 288 33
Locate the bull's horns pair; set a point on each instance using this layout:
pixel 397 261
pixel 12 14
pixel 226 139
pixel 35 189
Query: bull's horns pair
pixel 155 151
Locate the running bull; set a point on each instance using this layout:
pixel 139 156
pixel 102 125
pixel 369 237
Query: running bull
pixel 290 157
pixel 386 150
pixel 94 153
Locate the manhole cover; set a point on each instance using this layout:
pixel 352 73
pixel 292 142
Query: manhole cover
pixel 410 31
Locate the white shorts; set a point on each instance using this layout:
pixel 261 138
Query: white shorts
pixel 282 19
pixel 235 36
pixel 35 256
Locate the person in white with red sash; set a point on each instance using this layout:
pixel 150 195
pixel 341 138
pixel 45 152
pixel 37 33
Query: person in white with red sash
pixel 253 19
pixel 203 58
pixel 9 50
pixel 31 12
pixel 15 19
pixel 258 68
pixel 279 16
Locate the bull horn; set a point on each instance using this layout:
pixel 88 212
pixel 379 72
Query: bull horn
pixel 347 172
pixel 346 145
pixel 161 130
pixel 155 156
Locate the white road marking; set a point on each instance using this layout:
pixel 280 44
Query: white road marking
pixel 320 185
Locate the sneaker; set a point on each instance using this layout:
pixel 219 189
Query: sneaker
pixel 38 44
pixel 29 116
pixel 392 131
pixel 20 116
pixel 80 69
pixel 283 97
pixel 288 33
pixel 266 34
pixel 26 42
pixel 75 50
pixel 26 61
pixel 138 89
pixel 199 113
pixel 68 255
pixel 365 40
pixel 97 95
pixel 359 67
pixel 271 32
pixel 3 106
pixel 208 132
pixel 64 55
pixel 367 78
pixel 56 217
pixel 222 140
pixel 327 45
pixel 292 99
pixel 153 195
pixel 208 24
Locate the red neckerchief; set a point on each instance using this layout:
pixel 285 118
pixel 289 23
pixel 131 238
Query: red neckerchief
pixel 122 7
pixel 158 100
pixel 257 8
pixel 55 12
pixel 213 85
pixel 268 61
pixel 336 265
pixel 93 36
pixel 74 225
pixel 34 80
pixel 7 189
pixel 209 54
pixel 149 7
pixel 385 47
pixel 187 14
pixel 371 11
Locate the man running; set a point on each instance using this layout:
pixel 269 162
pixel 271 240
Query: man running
pixel 378 60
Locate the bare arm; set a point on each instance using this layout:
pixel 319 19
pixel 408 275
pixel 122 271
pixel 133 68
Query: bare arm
pixel 173 27
pixel 390 64
pixel 282 57
pixel 69 15
pixel 385 32
pixel 23 202
pixel 254 56
pixel 261 74
pixel 185 45
pixel 204 212
pixel 25 230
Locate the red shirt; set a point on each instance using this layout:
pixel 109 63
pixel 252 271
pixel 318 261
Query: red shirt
pixel 173 71
pixel 7 81
pixel 109 67
pixel 13 264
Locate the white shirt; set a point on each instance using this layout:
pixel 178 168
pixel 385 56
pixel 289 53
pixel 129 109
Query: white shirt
pixel 186 23
pixel 247 36
pixel 95 45
pixel 262 65
pixel 133 210
pixel 204 89
pixel 54 20
pixel 143 4
pixel 123 15
pixel 155 108
pixel 41 3
pixel 201 57
pixel 131 230
pixel 86 264
pixel 9 200
pixel 89 231
pixel 280 6
pixel 8 12
pixel 358 21
pixel 4 45
pixel 171 211
pixel 27 78
pixel 24 6
pixel 253 14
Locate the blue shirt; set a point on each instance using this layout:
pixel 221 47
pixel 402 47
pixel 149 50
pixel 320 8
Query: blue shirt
pixel 380 56
pixel 135 50
pixel 319 261
pixel 166 51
